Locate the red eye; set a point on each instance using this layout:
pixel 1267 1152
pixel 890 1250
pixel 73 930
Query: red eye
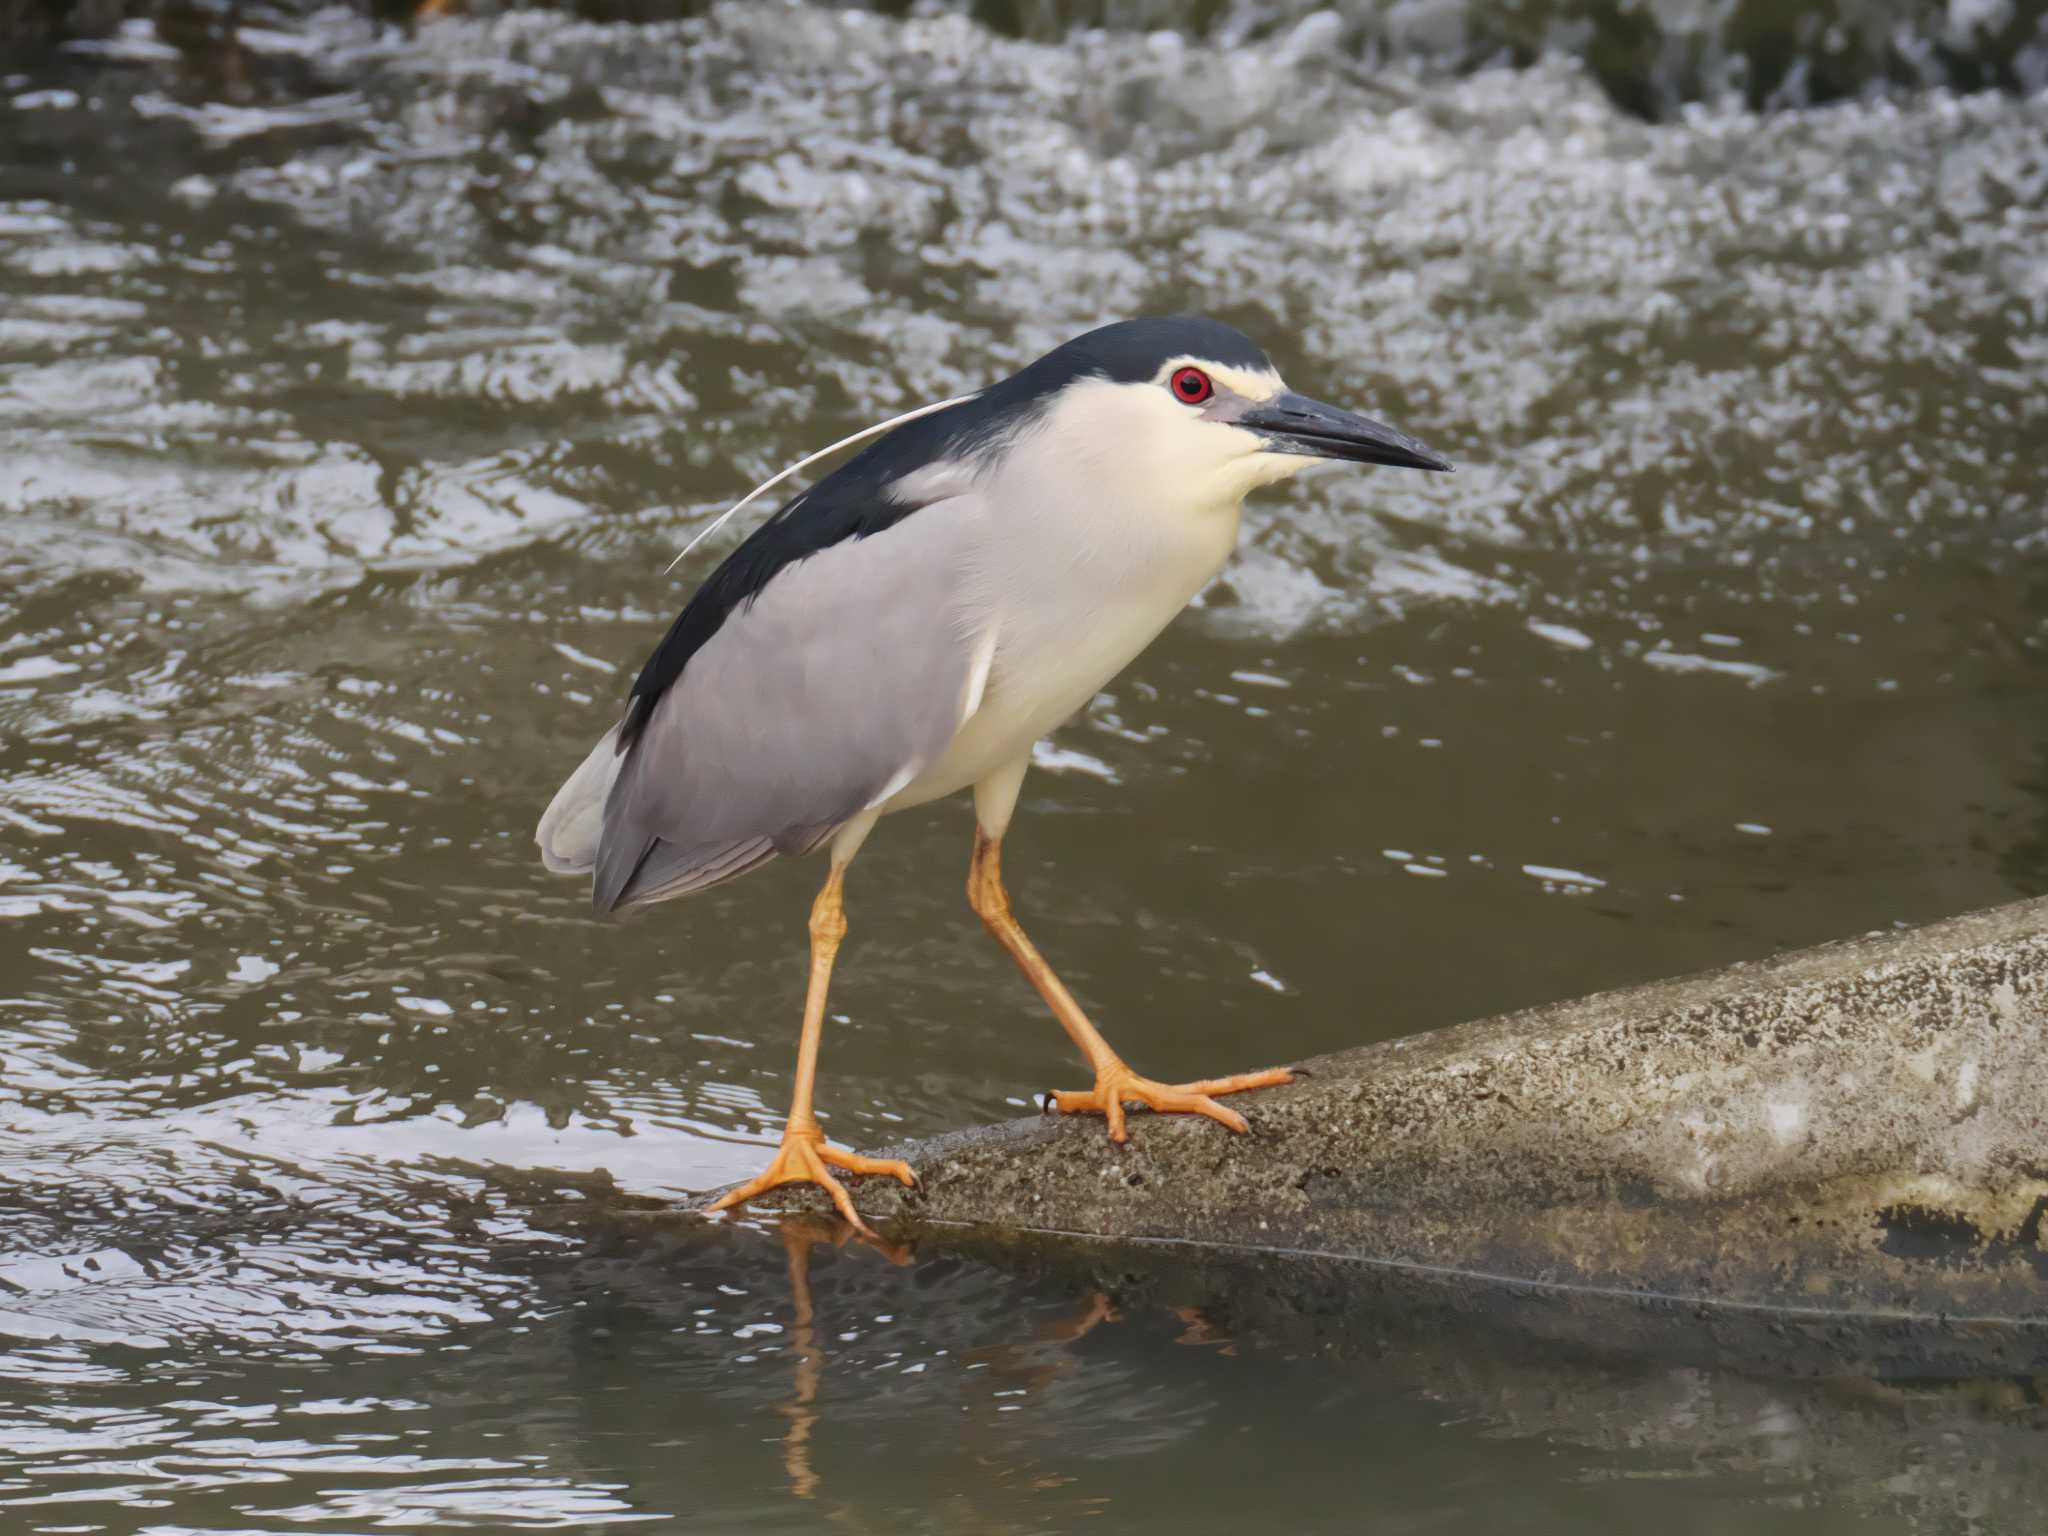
pixel 1191 386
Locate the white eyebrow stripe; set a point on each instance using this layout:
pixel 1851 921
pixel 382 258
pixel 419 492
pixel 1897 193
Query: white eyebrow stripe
pixel 777 478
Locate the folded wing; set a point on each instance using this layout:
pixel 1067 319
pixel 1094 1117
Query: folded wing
pixel 834 685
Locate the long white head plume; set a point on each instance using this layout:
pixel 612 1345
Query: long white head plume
pixel 769 484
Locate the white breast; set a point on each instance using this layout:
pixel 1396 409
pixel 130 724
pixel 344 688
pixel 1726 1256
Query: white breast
pixel 1084 557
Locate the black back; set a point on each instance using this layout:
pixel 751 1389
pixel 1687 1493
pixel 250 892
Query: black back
pixel 853 502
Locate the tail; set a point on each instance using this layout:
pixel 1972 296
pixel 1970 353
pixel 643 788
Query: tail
pixel 642 868
pixel 573 823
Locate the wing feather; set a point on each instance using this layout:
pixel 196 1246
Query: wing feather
pixel 848 672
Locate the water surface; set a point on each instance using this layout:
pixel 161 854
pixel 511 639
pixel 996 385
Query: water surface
pixel 355 391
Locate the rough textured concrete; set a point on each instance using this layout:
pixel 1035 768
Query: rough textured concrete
pixel 1851 1131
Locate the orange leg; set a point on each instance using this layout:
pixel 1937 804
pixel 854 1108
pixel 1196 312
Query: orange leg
pixel 804 1157
pixel 1115 1083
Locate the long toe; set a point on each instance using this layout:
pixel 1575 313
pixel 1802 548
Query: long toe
pixel 1244 1082
pixel 802 1160
pixel 1185 1101
pixel 888 1167
pixel 843 1203
pixel 1103 1099
pixel 740 1194
pixel 1113 1089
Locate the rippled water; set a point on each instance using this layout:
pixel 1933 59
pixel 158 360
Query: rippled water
pixel 355 391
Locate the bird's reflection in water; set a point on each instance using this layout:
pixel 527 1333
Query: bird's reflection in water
pixel 800 1234
pixel 1027 1365
pixel 1203 1332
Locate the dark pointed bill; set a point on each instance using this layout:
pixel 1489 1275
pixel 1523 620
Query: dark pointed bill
pixel 1293 423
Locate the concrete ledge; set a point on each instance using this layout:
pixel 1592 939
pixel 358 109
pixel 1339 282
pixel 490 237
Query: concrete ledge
pixel 1854 1131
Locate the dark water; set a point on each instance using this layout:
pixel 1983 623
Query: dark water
pixel 1651 59
pixel 354 393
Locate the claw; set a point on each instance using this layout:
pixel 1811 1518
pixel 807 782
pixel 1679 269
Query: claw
pixel 1118 1084
pixel 803 1158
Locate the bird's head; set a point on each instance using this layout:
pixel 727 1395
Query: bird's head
pixel 1184 408
pixel 1178 413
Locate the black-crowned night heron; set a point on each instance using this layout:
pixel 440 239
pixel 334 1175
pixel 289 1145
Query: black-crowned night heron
pixel 911 625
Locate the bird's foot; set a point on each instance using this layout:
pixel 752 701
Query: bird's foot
pixel 803 1158
pixel 1118 1084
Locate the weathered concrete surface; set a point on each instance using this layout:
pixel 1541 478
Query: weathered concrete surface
pixel 1855 1130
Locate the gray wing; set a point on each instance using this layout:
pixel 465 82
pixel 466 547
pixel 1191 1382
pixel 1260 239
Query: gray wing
pixel 845 677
